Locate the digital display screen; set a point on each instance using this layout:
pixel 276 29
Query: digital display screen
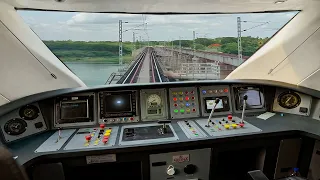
pixel 74 110
pixel 254 97
pixel 116 103
pixel 211 103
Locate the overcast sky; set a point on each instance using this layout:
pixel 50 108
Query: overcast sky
pixel 104 27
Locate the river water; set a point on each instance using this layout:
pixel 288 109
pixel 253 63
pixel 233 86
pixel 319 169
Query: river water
pixel 92 74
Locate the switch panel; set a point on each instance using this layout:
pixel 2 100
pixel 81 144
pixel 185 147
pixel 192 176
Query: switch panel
pixel 184 102
pixel 193 164
pixel 191 130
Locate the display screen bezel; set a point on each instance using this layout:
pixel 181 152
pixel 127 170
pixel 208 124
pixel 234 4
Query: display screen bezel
pixel 74 102
pixel 102 110
pixel 225 103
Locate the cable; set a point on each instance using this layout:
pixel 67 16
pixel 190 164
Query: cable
pixel 255 26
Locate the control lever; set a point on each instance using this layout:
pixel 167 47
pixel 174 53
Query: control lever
pixel 216 102
pixel 164 126
pixel 245 98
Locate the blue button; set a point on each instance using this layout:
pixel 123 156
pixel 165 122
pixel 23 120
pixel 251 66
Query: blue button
pixel 187 104
pixel 124 119
pixel 204 92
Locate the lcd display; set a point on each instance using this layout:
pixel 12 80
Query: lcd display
pixel 210 104
pixel 116 103
pixel 254 98
pixel 74 110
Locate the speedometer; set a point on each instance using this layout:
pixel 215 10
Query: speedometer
pixel 154 100
pixel 289 100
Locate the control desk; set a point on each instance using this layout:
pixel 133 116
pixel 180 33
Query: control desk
pixel 165 131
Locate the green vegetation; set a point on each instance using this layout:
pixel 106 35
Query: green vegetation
pixel 92 51
pixel 107 51
pixel 224 44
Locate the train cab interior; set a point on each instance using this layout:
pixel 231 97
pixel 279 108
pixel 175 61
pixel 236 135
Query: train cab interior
pixel 237 103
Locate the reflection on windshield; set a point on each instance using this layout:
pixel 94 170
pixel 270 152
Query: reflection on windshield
pixel 130 48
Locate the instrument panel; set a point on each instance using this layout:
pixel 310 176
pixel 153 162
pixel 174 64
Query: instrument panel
pixel 23 122
pixel 150 105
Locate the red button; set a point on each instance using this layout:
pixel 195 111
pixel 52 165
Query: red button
pixel 187 92
pixel 192 98
pixel 194 110
pixel 226 90
pixel 192 92
pixel 102 126
pixel 106 137
pixel 104 141
pixel 175 105
pixel 175 99
pixel 241 124
pixel 229 117
pixel 187 98
pixel 88 137
pixel 131 119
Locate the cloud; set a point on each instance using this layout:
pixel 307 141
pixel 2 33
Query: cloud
pixel 104 26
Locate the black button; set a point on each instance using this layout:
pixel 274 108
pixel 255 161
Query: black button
pixel 187 123
pixel 220 122
pixel 223 119
pixel 38 125
pixel 190 169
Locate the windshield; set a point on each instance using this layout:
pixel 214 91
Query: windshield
pixel 104 48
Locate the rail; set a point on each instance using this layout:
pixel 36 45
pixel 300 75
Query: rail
pixel 130 75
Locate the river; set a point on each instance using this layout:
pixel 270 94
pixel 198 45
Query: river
pixel 92 74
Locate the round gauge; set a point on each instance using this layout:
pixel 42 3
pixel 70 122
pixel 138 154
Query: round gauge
pixel 289 100
pixel 154 100
pixel 29 112
pixel 15 126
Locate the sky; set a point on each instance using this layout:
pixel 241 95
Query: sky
pixel 104 26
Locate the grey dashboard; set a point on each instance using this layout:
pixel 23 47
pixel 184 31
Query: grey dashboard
pixel 130 104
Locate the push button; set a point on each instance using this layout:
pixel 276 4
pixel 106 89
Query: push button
pixel 227 126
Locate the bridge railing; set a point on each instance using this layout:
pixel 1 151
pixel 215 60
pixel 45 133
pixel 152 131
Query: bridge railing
pixel 214 56
pixel 199 71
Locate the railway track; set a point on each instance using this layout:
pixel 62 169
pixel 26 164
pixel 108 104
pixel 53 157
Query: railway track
pixel 155 74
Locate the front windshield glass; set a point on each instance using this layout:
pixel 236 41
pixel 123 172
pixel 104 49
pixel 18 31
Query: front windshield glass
pixel 104 48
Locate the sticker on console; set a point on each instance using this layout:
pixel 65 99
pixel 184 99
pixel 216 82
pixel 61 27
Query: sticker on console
pixel 101 159
pixel 180 158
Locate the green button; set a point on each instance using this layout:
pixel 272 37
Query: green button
pixel 182 110
pixel 196 134
pixel 176 110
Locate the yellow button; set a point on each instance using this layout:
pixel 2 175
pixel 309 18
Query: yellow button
pixel 92 135
pixel 181 99
pixel 188 110
pixel 108 131
pixel 227 126
pixel 234 125
pixel 181 93
pixel 106 134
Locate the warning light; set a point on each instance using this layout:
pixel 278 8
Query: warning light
pixel 175 99
pixel 187 98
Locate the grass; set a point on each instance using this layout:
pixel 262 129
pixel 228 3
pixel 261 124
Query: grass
pixel 108 60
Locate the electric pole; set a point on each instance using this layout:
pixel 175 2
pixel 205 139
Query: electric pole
pixel 239 40
pixel 120 42
pixel 133 41
pixel 194 42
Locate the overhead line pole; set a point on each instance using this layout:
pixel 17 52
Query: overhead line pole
pixel 239 40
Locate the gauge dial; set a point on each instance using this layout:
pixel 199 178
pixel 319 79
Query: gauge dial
pixel 15 126
pixel 289 100
pixel 29 112
pixel 154 100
